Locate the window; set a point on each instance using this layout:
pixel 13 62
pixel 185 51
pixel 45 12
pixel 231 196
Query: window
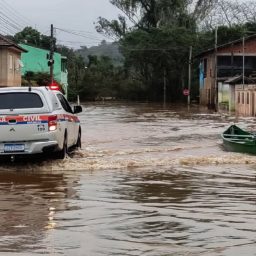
pixel 224 61
pixel 17 64
pixel 10 62
pixel 248 98
pixel 64 103
pixel 16 100
pixel 238 97
pixel 242 98
pixel 63 65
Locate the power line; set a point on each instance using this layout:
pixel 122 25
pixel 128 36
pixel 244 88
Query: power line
pixel 77 42
pixel 8 28
pixel 80 31
pixel 78 34
pixel 10 21
pixel 14 13
pixel 14 18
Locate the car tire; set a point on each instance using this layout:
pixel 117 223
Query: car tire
pixel 79 139
pixel 63 153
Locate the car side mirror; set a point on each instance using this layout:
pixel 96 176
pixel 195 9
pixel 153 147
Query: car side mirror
pixel 77 109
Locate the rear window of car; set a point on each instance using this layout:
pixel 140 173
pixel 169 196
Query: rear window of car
pixel 15 100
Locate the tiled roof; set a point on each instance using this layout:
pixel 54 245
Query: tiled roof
pixel 8 43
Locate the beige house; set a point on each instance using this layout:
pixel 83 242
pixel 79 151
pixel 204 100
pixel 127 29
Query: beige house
pixel 246 99
pixel 10 63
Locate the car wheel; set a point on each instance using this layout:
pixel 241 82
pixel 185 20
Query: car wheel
pixel 79 139
pixel 63 153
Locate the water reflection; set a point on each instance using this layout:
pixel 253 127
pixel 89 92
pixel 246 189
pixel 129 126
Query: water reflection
pixel 149 181
pixel 158 187
pixel 182 212
pixel 29 201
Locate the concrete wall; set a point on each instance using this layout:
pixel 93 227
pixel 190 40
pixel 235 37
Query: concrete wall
pixel 35 60
pixel 232 98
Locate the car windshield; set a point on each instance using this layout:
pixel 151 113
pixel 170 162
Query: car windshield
pixel 16 100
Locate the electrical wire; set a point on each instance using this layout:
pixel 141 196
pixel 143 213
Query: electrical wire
pixel 78 34
pixel 14 13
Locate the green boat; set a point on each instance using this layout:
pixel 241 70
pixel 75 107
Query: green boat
pixel 237 140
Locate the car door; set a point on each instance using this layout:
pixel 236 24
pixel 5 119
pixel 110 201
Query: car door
pixel 69 119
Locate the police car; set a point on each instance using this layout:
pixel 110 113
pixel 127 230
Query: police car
pixel 37 120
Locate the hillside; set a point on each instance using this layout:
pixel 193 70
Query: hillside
pixel 104 49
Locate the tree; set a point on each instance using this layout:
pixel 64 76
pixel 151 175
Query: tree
pixel 28 35
pixel 158 41
pixel 76 70
pixel 147 14
pixel 36 79
pixel 230 13
pixel 33 37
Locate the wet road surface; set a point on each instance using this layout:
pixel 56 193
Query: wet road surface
pixel 148 181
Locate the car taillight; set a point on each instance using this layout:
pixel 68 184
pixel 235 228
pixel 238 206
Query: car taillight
pixel 52 123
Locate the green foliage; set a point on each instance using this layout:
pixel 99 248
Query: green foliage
pixel 110 50
pixel 36 79
pixel 114 28
pixel 156 48
pixel 152 52
pixel 33 37
pixel 76 70
pixel 28 35
pixel 149 54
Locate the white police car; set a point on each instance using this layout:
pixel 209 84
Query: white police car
pixel 37 120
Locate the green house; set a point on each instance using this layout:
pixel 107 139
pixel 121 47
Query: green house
pixel 35 60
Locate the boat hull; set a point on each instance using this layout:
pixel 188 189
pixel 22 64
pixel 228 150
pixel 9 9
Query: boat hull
pixel 237 140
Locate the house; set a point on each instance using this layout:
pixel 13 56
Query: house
pixel 244 95
pixel 10 64
pixel 35 60
pixel 232 61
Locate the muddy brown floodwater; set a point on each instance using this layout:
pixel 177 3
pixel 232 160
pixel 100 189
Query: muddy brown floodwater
pixel 148 181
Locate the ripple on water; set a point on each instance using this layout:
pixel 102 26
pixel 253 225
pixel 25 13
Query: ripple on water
pixel 149 181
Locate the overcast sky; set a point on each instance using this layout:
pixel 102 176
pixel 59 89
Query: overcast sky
pixel 78 15
pixel 66 14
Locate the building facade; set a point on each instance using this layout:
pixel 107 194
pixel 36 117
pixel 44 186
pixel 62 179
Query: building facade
pixel 35 60
pixel 217 67
pixel 10 63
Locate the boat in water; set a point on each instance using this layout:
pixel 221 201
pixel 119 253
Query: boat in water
pixel 236 139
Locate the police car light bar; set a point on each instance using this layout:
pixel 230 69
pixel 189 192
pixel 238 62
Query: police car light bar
pixel 54 86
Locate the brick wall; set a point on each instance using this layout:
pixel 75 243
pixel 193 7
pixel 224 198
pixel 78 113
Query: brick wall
pixel 250 47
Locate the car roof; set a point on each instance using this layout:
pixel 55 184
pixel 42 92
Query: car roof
pixel 23 89
pixel 49 95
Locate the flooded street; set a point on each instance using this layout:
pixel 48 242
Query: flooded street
pixel 148 181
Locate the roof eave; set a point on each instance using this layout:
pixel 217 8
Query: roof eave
pixel 224 45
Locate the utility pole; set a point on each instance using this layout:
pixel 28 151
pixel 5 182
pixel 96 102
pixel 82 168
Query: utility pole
pixel 51 57
pixel 243 61
pixel 216 71
pixel 164 86
pixel 189 73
